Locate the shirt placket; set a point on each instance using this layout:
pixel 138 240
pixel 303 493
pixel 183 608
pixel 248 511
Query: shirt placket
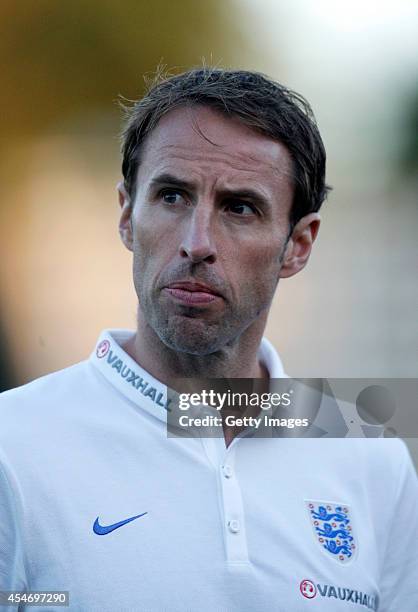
pixel 231 502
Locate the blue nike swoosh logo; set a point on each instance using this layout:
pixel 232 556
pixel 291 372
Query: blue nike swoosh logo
pixel 100 530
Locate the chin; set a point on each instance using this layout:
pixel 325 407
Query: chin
pixel 192 336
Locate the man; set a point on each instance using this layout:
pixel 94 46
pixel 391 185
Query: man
pixel 224 175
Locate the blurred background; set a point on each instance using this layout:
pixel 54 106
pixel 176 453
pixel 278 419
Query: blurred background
pixel 64 275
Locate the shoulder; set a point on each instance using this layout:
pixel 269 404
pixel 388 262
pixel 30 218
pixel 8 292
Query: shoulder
pixel 380 467
pixel 382 458
pixel 384 452
pixel 43 398
pixel 47 384
pixel 385 467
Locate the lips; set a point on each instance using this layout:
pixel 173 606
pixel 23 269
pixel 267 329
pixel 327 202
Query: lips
pixel 193 287
pixel 190 292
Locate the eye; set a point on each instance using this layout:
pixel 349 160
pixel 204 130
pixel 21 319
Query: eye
pixel 244 209
pixel 171 196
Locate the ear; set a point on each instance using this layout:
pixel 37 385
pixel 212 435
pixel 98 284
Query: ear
pixel 125 222
pixel 299 246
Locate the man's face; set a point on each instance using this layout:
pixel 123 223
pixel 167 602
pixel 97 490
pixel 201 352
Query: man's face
pixel 208 228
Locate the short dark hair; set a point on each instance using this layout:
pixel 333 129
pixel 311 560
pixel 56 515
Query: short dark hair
pixel 257 101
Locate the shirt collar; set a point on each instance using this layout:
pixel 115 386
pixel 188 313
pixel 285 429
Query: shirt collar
pixel 136 384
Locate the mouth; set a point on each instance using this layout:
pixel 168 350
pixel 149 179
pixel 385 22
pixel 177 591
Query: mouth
pixel 192 293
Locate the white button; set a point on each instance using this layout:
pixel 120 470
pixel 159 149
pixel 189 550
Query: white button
pixel 227 471
pixel 233 526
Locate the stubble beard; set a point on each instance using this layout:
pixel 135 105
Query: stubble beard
pixel 188 331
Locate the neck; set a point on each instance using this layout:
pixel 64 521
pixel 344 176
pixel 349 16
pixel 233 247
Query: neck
pixel 237 359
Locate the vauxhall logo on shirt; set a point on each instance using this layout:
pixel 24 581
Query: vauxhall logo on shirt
pixel 310 590
pixel 103 351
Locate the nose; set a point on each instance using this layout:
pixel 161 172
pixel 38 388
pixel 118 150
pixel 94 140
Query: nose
pixel 198 242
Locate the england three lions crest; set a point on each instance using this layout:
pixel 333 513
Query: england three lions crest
pixel 333 529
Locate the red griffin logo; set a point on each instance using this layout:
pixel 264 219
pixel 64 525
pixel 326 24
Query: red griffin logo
pixel 102 349
pixel 308 589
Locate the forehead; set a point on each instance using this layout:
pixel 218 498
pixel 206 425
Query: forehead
pixel 207 141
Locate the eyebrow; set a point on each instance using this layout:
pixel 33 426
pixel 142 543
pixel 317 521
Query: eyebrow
pixel 169 179
pixel 173 181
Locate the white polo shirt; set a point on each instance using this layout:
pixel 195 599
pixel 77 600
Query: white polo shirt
pixel 282 525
